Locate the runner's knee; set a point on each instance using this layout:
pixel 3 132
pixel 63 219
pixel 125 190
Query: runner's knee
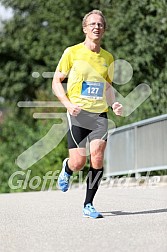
pixel 96 158
pixel 76 164
pixel 97 161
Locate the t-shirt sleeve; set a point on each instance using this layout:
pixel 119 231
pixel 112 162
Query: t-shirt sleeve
pixel 110 74
pixel 65 62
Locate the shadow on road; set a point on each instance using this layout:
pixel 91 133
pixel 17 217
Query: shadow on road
pixel 116 213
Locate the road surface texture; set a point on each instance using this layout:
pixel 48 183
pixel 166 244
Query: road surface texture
pixel 135 219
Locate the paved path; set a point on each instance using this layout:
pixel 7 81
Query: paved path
pixel 135 220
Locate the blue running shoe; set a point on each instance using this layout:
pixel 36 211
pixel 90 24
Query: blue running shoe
pixel 64 178
pixel 90 211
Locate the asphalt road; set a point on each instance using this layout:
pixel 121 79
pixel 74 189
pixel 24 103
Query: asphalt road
pixel 135 219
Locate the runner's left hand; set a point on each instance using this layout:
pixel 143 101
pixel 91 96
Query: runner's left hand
pixel 117 108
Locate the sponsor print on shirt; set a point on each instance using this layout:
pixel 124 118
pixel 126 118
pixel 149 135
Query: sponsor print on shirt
pixel 92 90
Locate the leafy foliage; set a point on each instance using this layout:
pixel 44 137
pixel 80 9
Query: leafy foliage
pixel 16 137
pixel 136 33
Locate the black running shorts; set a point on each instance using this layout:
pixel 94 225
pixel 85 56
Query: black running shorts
pixel 86 126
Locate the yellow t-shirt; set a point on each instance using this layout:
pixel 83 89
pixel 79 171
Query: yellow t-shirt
pixel 87 73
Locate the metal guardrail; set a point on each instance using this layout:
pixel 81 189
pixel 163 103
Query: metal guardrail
pixel 138 147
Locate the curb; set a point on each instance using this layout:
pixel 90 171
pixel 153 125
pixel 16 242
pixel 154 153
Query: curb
pixel 140 181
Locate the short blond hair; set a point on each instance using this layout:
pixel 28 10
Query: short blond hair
pixel 98 12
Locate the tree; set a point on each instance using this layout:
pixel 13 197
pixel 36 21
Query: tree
pixel 137 33
pixel 33 41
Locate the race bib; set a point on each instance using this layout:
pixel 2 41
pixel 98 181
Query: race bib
pixel 92 90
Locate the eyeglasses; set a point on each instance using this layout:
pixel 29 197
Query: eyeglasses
pixel 100 25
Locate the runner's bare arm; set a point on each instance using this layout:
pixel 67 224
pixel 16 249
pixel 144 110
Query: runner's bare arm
pixel 110 96
pixel 59 91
